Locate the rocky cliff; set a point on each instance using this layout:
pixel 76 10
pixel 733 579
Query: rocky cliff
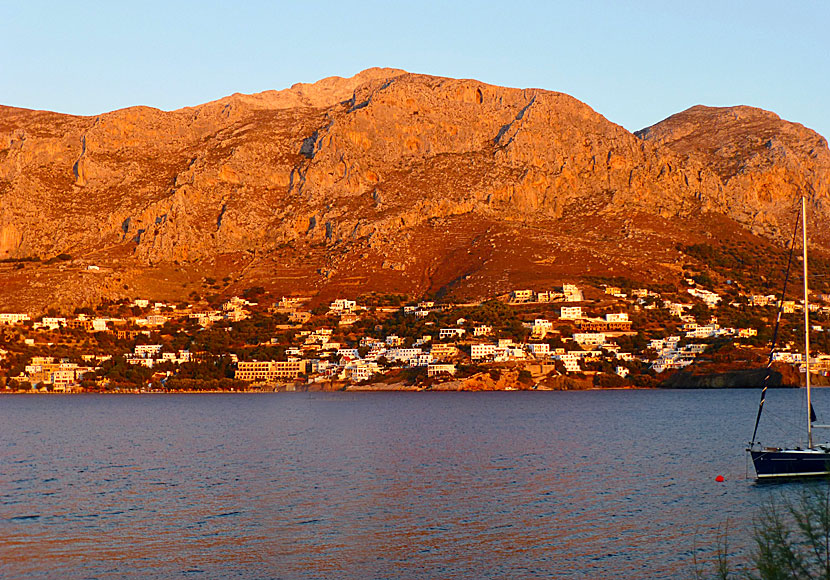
pixel 386 181
pixel 762 163
pixel 781 376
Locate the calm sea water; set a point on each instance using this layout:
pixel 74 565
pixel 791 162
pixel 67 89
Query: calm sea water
pixel 375 485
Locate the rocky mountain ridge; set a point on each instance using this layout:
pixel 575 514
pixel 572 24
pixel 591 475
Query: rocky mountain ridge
pixel 387 181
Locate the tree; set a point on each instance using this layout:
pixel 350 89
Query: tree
pixel 791 537
pixel 320 309
pixel 19 385
pixel 605 379
pixel 700 311
pixel 253 293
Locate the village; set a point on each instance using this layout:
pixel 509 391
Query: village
pixel 569 337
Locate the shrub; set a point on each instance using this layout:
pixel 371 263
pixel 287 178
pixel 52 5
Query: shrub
pixel 252 293
pixel 791 537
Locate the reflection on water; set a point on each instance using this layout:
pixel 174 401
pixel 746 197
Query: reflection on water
pixel 416 485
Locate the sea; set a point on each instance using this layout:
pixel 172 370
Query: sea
pixel 591 484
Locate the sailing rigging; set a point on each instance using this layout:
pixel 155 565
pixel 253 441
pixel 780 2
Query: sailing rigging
pixel 781 462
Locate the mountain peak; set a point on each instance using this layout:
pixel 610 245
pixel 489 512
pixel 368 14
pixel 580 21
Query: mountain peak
pixel 384 181
pixel 320 94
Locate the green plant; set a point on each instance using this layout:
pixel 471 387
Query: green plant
pixel 791 540
pixel 525 377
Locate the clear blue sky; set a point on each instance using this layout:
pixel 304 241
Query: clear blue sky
pixel 634 62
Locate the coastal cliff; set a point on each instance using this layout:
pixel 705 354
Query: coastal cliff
pixel 780 376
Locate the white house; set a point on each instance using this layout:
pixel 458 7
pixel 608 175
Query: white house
pixel 403 354
pixel 482 330
pixel 616 317
pixel 570 312
pixel 676 308
pixel 436 369
pixel 342 305
pixel 539 349
pixel 570 360
pixel 11 318
pixel 480 351
pixel 521 295
pixel 348 353
pixel 572 293
pixel 147 350
pixel 360 371
pixel 761 300
pixel 450 332
pixel 589 338
pixel 709 298
pixel 422 360
pixel 53 323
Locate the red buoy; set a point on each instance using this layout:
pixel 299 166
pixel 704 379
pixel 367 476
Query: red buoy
pixel 719 479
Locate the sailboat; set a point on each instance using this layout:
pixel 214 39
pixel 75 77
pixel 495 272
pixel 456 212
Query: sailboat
pixel 793 462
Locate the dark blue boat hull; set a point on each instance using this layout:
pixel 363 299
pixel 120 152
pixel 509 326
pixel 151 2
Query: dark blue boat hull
pixel 784 463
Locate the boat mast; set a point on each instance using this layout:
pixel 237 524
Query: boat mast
pixel 806 324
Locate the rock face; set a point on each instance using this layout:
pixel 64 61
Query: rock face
pixel 386 181
pixel 763 164
pixel 734 379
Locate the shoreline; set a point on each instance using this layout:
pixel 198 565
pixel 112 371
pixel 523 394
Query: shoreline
pixel 350 389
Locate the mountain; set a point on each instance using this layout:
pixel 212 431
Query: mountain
pixel 762 163
pixel 387 182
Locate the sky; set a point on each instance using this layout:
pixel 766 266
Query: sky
pixel 635 62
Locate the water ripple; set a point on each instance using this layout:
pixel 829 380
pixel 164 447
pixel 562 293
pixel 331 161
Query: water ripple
pixel 491 485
